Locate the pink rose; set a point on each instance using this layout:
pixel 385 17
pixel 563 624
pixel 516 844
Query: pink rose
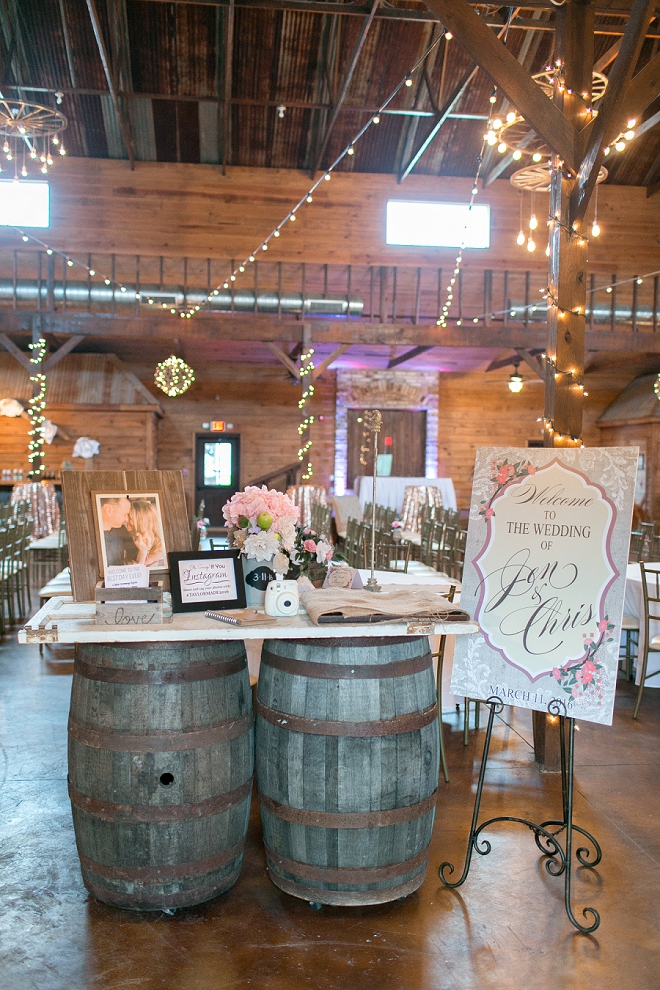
pixel 489 513
pixel 309 546
pixel 556 673
pixel 589 666
pixel 602 626
pixel 531 469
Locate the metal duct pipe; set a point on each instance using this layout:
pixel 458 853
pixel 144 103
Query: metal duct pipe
pixel 173 296
pixel 537 313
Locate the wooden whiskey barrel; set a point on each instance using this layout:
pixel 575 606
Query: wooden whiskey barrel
pixel 347 748
pixel 160 770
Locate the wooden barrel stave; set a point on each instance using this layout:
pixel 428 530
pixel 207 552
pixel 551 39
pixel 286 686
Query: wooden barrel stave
pixel 160 773
pixel 302 773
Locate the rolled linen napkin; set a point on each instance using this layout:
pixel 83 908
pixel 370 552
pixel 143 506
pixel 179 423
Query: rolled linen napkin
pixel 347 605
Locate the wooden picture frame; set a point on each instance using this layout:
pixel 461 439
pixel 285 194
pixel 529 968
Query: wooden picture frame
pixel 206 579
pixel 77 488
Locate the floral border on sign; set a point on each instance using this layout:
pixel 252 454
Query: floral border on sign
pixel 585 678
pixel 503 474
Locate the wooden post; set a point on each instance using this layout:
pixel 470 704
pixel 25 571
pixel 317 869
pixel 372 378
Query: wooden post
pixel 567 283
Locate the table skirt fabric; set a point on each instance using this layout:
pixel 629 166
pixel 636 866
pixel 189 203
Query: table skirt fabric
pixel 634 605
pixel 389 491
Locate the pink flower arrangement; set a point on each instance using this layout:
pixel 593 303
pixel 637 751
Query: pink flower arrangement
pixel 254 502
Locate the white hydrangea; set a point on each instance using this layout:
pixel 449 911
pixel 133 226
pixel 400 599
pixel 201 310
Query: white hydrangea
pixel 261 546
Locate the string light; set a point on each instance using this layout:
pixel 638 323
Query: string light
pixel 73 262
pixel 306 368
pixel 174 376
pixel 36 408
pixel 488 139
pixel 349 150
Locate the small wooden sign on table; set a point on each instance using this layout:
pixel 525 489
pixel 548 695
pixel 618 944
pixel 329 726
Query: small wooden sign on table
pixel 130 606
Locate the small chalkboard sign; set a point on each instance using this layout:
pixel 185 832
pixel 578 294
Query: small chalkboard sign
pixel 206 579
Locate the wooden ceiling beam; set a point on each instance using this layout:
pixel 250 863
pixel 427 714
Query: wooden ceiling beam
pixel 351 9
pixel 284 359
pixel 409 355
pixel 144 330
pixel 642 91
pixel 228 35
pixel 326 362
pixel 124 124
pixel 477 39
pixel 346 82
pixel 62 351
pixel 612 108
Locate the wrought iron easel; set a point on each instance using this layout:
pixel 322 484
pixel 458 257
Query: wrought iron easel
pixel 546 833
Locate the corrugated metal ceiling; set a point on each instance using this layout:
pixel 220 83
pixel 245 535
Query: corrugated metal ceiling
pixel 170 63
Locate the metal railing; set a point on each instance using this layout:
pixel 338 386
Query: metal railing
pixel 130 284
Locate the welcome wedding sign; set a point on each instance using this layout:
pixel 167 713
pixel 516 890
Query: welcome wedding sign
pixel 544 576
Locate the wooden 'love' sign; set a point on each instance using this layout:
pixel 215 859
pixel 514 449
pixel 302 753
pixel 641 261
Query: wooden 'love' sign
pixel 544 576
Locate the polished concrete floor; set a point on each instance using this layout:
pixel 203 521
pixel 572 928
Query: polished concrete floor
pixel 506 929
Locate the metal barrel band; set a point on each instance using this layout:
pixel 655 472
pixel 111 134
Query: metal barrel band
pixel 349 819
pixel 317 727
pixel 346 874
pixel 337 671
pixel 178 647
pixel 154 814
pixel 349 642
pixel 124 675
pixel 165 742
pixel 165 873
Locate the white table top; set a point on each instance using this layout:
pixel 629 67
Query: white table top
pixel 51 542
pixel 61 620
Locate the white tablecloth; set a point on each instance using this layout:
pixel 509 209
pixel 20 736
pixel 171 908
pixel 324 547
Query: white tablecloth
pixel 634 605
pixel 389 491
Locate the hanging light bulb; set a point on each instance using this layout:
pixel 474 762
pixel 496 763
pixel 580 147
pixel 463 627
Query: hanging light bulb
pixel 448 35
pixel 517 155
pixel 309 199
pixel 497 123
pixel 620 146
pixel 520 239
pixel 511 116
pixel 516 379
pixel 408 82
pixel 491 138
pixel 547 250
pixel 501 147
pixel 351 150
pixel 536 157
pixel 533 222
pixel 629 135
pixel 595 227
pixel 531 245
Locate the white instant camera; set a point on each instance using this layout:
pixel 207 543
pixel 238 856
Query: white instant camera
pixel 281 598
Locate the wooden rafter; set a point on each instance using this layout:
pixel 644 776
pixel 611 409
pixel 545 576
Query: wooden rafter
pixel 228 35
pixel 62 351
pixel 409 355
pixel 643 90
pixel 284 359
pixel 473 34
pixel 346 82
pixel 124 124
pixel 613 106
pixel 330 359
pixel 16 352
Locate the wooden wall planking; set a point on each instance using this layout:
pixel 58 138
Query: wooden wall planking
pixel 127 438
pixel 177 209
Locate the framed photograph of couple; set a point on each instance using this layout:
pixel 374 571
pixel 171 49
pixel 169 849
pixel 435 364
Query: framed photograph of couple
pixel 129 529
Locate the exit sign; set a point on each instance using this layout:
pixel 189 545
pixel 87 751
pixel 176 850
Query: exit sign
pixel 218 426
